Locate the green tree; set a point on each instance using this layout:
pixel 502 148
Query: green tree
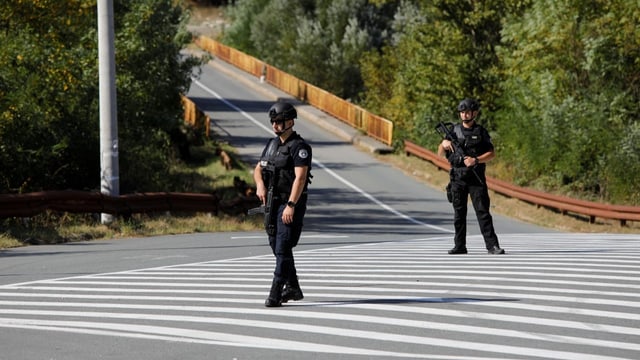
pixel 274 32
pixel 447 52
pixel 49 92
pixel 335 35
pixel 43 86
pixel 318 41
pixel 242 15
pixel 558 80
pixel 151 76
pixel 571 69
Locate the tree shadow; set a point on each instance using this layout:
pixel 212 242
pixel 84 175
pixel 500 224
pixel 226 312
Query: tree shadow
pixel 360 215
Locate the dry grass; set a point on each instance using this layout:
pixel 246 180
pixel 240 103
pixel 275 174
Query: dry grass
pixel 429 174
pixel 52 229
pixel 205 19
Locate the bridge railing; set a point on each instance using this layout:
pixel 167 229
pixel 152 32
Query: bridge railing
pixel 375 126
pixel 195 117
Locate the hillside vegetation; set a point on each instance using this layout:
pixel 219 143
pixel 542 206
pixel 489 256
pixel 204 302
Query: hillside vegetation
pixel 559 81
pixel 49 95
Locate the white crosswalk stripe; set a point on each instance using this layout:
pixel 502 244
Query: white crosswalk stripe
pixel 553 296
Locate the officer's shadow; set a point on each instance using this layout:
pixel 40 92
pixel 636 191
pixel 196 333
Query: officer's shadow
pixel 411 300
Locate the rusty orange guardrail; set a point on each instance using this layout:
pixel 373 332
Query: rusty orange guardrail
pixel 563 204
pixel 194 116
pixel 31 204
pixel 375 126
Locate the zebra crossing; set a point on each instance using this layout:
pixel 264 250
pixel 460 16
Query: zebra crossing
pixel 553 296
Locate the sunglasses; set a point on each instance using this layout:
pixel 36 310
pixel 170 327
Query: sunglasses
pixel 278 121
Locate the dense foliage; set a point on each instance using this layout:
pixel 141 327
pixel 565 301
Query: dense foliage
pixel 572 72
pixel 558 80
pixel 321 42
pixel 49 115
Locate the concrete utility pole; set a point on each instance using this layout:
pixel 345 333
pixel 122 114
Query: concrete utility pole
pixel 109 168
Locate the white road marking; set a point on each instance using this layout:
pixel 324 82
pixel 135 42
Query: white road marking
pixel 578 300
pixel 319 164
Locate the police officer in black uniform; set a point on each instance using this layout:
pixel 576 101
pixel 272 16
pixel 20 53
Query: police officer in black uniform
pixel 468 177
pixel 285 164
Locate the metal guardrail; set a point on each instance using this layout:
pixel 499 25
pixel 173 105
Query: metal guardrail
pixel 72 201
pixel 31 204
pixel 562 204
pixel 195 117
pixel 375 126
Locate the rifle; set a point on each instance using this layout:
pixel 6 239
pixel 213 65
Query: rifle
pixel 257 210
pixel 267 209
pixel 458 149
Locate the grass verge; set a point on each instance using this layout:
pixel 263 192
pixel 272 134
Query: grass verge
pixel 203 173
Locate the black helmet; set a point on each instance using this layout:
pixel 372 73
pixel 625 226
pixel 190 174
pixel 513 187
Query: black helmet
pixel 282 111
pixel 468 104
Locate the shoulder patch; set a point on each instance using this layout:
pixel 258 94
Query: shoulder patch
pixel 303 153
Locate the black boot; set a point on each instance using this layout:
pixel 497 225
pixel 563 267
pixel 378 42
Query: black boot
pixel 275 295
pixel 292 291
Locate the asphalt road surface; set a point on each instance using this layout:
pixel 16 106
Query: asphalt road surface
pixel 372 262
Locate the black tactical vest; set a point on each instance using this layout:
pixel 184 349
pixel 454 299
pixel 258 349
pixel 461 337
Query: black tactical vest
pixel 277 164
pixel 469 139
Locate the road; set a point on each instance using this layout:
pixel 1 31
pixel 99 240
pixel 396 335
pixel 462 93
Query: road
pixel 372 262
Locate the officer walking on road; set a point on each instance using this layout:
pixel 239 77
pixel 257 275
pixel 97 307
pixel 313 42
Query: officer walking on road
pixel 282 176
pixel 468 177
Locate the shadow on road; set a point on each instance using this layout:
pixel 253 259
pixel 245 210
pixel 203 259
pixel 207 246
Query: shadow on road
pixel 403 301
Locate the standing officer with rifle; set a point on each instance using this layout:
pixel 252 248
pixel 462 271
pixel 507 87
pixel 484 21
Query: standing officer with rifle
pixel 468 147
pixel 281 177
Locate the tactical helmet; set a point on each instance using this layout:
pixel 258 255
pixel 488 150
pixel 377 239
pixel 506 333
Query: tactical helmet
pixel 468 104
pixel 282 111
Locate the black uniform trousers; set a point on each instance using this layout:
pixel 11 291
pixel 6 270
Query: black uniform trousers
pixel 285 239
pixel 464 184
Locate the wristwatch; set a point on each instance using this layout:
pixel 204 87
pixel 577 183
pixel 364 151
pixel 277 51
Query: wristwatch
pixel 291 204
